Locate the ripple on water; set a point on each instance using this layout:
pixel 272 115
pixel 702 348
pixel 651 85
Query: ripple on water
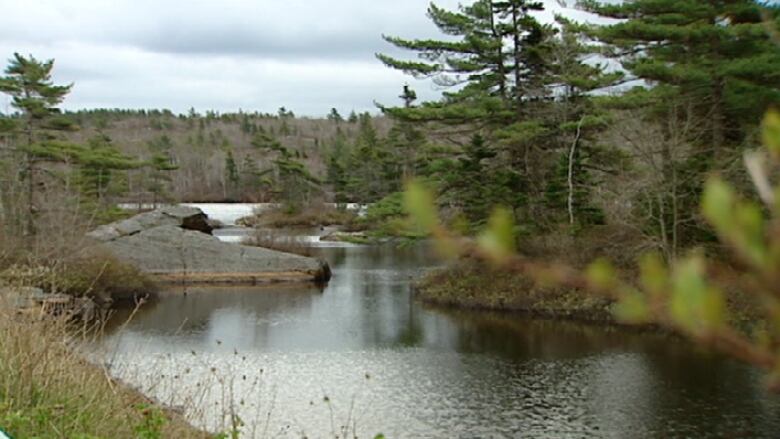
pixel 415 393
pixel 276 352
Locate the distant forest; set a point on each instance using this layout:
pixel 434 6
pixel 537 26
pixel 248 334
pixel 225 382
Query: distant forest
pixel 530 121
pixel 230 157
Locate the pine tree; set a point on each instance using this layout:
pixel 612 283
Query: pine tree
pixel 373 168
pixel 98 163
pixel 337 168
pixel 527 53
pixel 408 96
pixel 495 59
pixel 231 173
pixel 284 113
pixel 718 54
pixel 524 90
pixel 161 164
pixel 246 127
pixel 578 121
pixel 28 82
pixel 284 129
pixel 713 71
pixel 475 60
pixel 472 184
pixel 293 182
pixel 406 139
pixel 334 116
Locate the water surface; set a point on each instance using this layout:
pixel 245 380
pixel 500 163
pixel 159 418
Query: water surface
pixel 361 354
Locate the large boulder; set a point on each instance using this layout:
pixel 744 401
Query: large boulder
pixel 167 245
pixel 190 218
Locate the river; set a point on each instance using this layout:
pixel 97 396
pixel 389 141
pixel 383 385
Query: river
pixel 361 357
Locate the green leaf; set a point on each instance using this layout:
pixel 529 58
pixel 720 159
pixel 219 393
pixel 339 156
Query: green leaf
pixel 750 234
pixel 696 306
pixel 420 205
pixel 740 223
pixel 771 133
pixel 653 275
pixel 498 240
pixel 718 204
pixel 601 275
pixel 632 308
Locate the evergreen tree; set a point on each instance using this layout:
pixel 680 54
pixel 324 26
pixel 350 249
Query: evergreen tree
pixel 523 88
pixel 473 185
pixel 284 128
pixel 526 50
pixel 408 96
pixel 28 82
pixel 495 59
pixel 569 190
pixel 284 113
pixel 577 122
pixel 713 71
pixel 98 163
pixel 716 53
pixel 293 182
pixel 254 183
pixel 161 164
pixel 246 126
pixel 406 139
pixel 231 172
pixel 373 169
pixel 466 184
pixel 337 168
pixel 334 116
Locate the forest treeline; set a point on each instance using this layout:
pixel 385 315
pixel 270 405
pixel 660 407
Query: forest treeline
pixel 543 130
pixel 536 117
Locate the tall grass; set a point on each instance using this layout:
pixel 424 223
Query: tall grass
pixel 49 390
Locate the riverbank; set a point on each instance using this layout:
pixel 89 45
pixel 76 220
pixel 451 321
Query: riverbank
pixel 470 284
pixel 48 389
pixel 315 215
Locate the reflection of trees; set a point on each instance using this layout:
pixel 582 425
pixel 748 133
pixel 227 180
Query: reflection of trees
pixel 371 287
pixel 626 383
pixel 177 312
pixel 523 338
pixel 634 384
pixel 412 333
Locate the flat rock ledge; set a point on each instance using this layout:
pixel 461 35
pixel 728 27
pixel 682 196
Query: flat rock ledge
pixel 175 245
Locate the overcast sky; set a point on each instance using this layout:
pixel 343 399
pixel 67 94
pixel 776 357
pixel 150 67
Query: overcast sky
pixel 306 55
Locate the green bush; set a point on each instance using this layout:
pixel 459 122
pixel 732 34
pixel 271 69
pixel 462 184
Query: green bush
pixel 98 274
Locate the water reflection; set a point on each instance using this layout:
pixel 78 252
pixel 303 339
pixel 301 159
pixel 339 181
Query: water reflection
pixel 432 373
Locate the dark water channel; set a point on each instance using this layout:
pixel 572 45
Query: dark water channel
pixel 360 353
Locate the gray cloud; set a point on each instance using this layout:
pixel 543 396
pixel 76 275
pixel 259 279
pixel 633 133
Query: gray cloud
pixel 307 55
pixel 295 28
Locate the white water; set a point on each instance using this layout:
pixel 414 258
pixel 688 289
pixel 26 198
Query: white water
pixel 229 213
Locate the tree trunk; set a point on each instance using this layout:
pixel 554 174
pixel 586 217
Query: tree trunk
pixel 30 182
pixel 499 56
pixel 572 154
pixel 518 61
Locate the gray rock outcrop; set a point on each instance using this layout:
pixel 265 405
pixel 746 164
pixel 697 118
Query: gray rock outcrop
pixel 174 244
pixel 189 218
